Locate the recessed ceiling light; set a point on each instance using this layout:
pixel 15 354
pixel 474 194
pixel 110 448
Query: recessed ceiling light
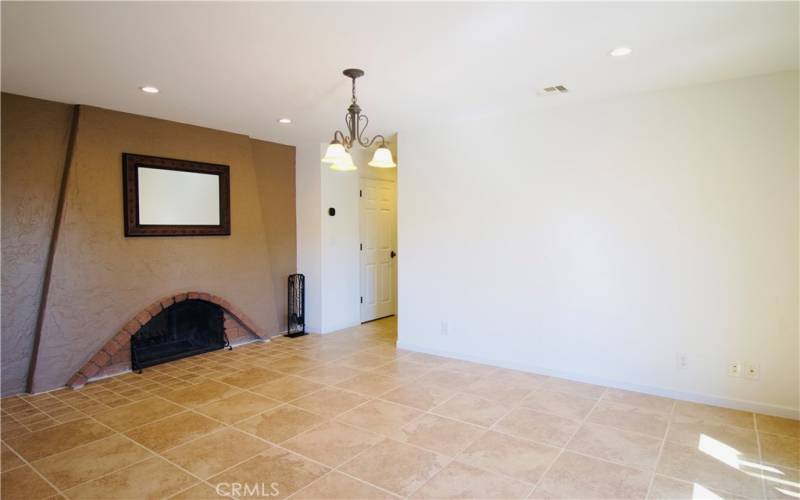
pixel 620 52
pixel 285 121
pixel 149 89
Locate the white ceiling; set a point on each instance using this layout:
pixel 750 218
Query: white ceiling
pixel 241 66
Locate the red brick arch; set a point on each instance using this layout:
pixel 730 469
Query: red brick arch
pixel 116 351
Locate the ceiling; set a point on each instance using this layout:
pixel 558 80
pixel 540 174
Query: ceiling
pixel 241 66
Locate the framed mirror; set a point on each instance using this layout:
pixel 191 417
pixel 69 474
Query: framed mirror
pixel 166 197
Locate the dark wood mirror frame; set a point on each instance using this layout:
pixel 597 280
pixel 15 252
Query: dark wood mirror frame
pixel 130 166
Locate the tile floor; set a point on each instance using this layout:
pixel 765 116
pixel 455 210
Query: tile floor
pixel 349 416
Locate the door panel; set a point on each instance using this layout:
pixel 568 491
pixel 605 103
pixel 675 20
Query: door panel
pixel 377 244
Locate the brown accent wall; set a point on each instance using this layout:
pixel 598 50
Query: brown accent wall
pixel 99 277
pixel 35 134
pixel 274 165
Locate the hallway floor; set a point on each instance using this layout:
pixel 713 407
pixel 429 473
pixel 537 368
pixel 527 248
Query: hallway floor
pixel 347 415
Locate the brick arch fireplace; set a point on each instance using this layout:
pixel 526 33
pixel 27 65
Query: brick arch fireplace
pixel 115 356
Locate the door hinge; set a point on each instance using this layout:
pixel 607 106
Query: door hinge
pixel 362 300
pixel 361 246
pixel 360 193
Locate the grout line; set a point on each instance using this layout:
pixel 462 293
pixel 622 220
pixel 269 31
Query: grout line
pixel 760 457
pixel 661 449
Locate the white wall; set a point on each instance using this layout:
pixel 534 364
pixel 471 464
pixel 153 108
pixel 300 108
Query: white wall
pixel 327 246
pixel 599 241
pixel 309 230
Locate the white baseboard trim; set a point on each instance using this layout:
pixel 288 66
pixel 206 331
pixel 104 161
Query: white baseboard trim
pixel 736 404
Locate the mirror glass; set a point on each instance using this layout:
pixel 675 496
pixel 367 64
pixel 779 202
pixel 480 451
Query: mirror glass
pixel 174 197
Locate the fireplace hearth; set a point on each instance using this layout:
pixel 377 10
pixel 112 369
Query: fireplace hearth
pixel 183 329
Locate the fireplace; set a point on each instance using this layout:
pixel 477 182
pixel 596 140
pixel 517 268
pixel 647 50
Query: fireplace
pixel 183 329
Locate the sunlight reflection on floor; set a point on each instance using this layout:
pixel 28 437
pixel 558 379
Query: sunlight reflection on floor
pixel 774 477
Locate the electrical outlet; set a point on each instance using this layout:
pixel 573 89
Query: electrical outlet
pixel 734 369
pixel 444 329
pixel 682 361
pixel 752 371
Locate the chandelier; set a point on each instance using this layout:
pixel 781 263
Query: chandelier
pixel 338 152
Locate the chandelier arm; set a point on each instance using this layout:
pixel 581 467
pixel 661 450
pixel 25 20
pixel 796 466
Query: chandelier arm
pixel 340 137
pixel 363 129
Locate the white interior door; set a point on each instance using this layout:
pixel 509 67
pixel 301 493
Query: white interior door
pixel 377 249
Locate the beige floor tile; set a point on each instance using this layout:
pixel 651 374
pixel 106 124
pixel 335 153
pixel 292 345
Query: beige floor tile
pixel 200 491
pixel 716 414
pixel 90 461
pixel 472 409
pixel 215 452
pixel 330 374
pixel 289 472
pixel 238 407
pixel 516 378
pixel 507 455
pixel 559 403
pixel 459 480
pixel 630 418
pixel 780 450
pixel 173 431
pixel 287 388
pixel 623 447
pixel 536 426
pixel 781 482
pixel 9 460
pixel 576 476
pixel 251 377
pixel 380 416
pixel 293 364
pixel 778 425
pixel 153 478
pixel 363 360
pixel 447 378
pixel 714 467
pixel 640 400
pixel 332 443
pixel 201 393
pixel 665 488
pixel 23 483
pixel 422 397
pixel 439 434
pixel 139 413
pixel 497 390
pixel 369 384
pixel 574 387
pixel 330 402
pixel 691 431
pixel 58 438
pixel 402 369
pixel 425 359
pixel 279 424
pixel 336 486
pixel 468 367
pixel 394 466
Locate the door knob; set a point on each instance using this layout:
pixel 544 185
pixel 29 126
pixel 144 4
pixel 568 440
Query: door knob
pixel 392 255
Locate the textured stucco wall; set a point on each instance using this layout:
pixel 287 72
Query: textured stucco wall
pixel 274 166
pixel 35 134
pixel 101 279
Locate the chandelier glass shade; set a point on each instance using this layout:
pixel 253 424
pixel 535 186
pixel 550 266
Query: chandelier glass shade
pixel 337 154
pixel 344 164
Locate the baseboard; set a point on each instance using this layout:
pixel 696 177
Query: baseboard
pixel 736 404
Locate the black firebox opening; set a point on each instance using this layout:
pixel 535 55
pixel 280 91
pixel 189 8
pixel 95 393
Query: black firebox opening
pixel 183 329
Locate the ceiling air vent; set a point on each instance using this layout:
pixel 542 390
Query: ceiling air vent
pixel 553 90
